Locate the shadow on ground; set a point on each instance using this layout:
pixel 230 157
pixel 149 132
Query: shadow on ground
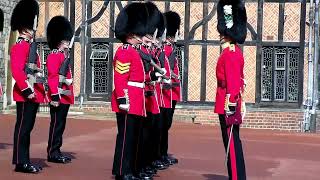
pixel 5 145
pixel 214 177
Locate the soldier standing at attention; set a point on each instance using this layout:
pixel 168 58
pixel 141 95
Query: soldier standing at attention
pixel 128 96
pixel 232 20
pixel 59 34
pixel 28 91
pixel 173 21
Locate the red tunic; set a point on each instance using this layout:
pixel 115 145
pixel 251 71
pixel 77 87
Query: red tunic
pixel 54 62
pixel 152 103
pixel 229 73
pixel 128 69
pixel 19 59
pixel 176 90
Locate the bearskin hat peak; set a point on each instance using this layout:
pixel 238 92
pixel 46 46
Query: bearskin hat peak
pixel 23 15
pixel 59 28
pixel 173 22
pixel 232 20
pixel 131 21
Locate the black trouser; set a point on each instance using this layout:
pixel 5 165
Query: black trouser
pixel 57 126
pixel 127 144
pixel 174 103
pixel 155 137
pixel 236 164
pixel 26 116
pixel 166 122
pixel 150 149
pixel 146 141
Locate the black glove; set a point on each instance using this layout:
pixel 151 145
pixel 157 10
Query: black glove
pixel 122 101
pixel 27 92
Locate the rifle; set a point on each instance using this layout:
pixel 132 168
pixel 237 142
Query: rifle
pixel 32 70
pixel 148 58
pixel 172 59
pixel 172 56
pixel 159 45
pixel 64 70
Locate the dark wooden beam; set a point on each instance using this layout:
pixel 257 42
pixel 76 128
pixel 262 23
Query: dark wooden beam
pixel 167 6
pixel 110 56
pixel 281 20
pixel 186 51
pixel 66 8
pixel 72 21
pixel 303 14
pixel 204 55
pixel 259 51
pixel 88 71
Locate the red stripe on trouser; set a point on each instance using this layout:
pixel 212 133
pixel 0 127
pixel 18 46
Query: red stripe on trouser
pixel 232 155
pixel 54 127
pixel 19 133
pixel 124 141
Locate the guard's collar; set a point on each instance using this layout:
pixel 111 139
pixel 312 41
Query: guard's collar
pixel 229 45
pixel 57 51
pixel 21 38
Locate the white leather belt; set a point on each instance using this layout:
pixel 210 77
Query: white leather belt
pixel 136 84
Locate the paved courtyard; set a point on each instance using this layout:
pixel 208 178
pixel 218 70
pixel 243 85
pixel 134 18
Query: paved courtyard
pixel 269 155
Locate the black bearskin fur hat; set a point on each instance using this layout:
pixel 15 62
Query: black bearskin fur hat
pixel 155 19
pixel 173 21
pixel 59 28
pixel 232 24
pixel 131 20
pixel 23 15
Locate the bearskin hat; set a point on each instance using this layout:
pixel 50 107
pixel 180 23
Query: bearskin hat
pixel 131 20
pixel 155 19
pixel 58 29
pixel 232 20
pixel 173 21
pixel 23 15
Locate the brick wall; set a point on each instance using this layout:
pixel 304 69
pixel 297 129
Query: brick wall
pixel 256 118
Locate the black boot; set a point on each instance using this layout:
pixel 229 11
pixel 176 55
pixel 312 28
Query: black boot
pixel 27 168
pixel 145 176
pixel 158 165
pixel 59 159
pixel 150 170
pixel 172 160
pixel 127 177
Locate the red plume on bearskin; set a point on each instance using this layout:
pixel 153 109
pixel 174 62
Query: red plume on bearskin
pixel 173 21
pixel 23 15
pixel 131 21
pixel 59 29
pixel 238 31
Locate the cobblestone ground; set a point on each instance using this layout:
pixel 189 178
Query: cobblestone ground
pixel 270 155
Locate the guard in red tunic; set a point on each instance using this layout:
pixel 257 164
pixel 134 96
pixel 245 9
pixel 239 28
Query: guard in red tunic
pixel 59 34
pixel 173 25
pixel 232 21
pixel 28 90
pixel 151 129
pixel 128 96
